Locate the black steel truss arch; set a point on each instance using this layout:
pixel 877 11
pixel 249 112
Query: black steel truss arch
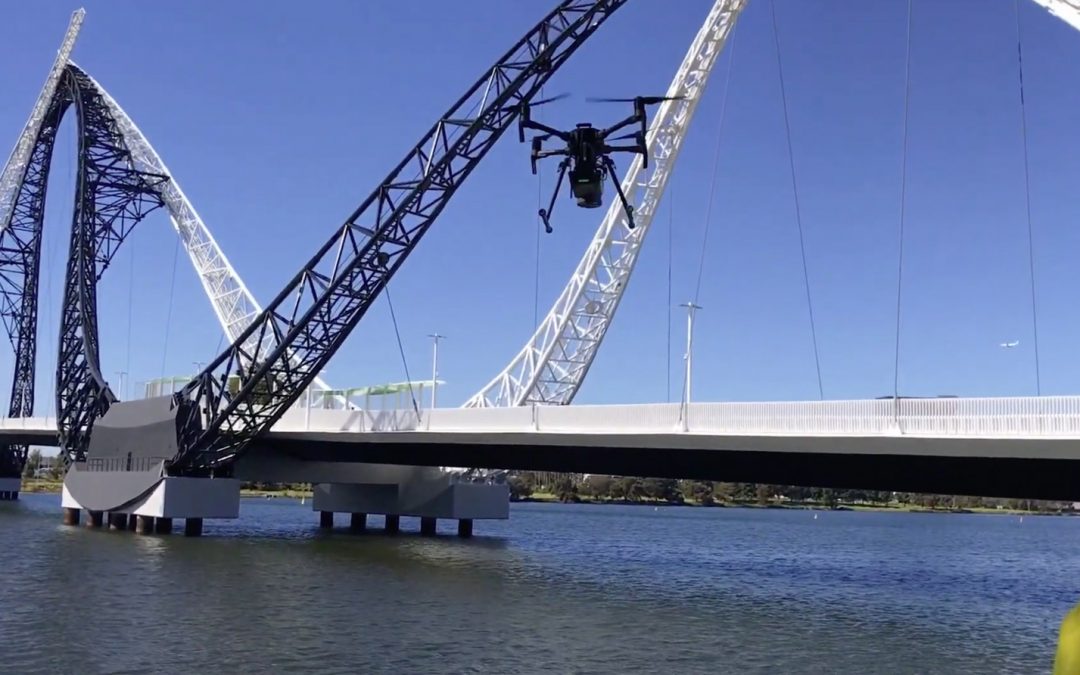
pixel 20 268
pixel 302 328
pixel 111 197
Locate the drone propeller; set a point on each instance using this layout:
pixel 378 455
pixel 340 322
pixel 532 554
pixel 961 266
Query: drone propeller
pixel 549 99
pixel 524 105
pixel 647 100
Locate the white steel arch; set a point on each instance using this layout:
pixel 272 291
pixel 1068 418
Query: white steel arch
pixel 554 362
pixel 1066 10
pixel 12 176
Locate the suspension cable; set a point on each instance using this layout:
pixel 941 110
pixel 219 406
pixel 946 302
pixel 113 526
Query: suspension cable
pixel 539 225
pixel 715 169
pixel 401 350
pixel 131 302
pixel 708 212
pixel 670 239
pixel 51 254
pixel 1027 200
pixel 168 314
pixel 795 193
pixel 903 212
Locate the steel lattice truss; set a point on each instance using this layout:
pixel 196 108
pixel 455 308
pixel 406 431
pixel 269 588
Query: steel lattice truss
pixel 308 321
pixel 20 267
pixel 553 364
pixel 112 196
pixel 233 304
pixel 22 204
pixel 23 185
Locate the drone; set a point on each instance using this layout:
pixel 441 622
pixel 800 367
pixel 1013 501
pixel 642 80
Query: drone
pixel 586 155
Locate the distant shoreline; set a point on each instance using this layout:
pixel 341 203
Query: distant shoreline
pixel 39 486
pixel 545 498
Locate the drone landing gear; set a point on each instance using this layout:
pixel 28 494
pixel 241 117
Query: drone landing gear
pixel 609 164
pixel 545 214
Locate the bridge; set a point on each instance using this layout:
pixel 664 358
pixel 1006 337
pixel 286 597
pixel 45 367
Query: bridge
pixel 249 415
pixel 1009 447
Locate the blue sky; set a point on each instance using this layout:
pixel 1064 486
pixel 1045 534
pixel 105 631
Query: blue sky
pixel 278 121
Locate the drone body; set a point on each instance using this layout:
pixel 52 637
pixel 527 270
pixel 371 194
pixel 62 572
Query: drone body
pixel 586 169
pixel 586 155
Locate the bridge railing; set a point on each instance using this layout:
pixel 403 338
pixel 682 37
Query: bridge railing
pixel 1015 416
pixel 973 417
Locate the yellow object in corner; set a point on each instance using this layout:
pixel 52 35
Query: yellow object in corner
pixel 1067 659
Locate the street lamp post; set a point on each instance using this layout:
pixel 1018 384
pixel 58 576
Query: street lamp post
pixel 691 309
pixel 435 337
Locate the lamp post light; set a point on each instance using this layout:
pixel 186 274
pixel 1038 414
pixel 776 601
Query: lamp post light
pixel 691 309
pixel 435 337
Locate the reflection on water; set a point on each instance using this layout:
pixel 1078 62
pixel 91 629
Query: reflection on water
pixel 555 589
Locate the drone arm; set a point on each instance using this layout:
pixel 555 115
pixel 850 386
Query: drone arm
pixel 639 149
pixel 550 131
pixel 633 119
pixel 545 214
pixel 541 154
pixel 610 166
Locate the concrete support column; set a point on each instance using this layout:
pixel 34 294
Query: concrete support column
pixel 117 521
pixel 71 516
pixel 163 526
pixel 427 526
pixel 133 521
pixel 358 522
pixel 326 519
pixel 464 527
pixel 144 524
pixel 94 518
pixel 192 527
pixel 8 496
pixel 393 524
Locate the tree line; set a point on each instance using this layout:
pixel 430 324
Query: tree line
pixel 37 466
pixel 568 487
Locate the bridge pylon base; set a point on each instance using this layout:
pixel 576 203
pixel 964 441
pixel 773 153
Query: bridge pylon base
pixel 149 510
pixel 446 500
pixel 9 489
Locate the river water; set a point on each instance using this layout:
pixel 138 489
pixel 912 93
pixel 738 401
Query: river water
pixel 556 589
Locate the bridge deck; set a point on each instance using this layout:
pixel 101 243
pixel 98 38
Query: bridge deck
pixel 705 424
pixel 1010 447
